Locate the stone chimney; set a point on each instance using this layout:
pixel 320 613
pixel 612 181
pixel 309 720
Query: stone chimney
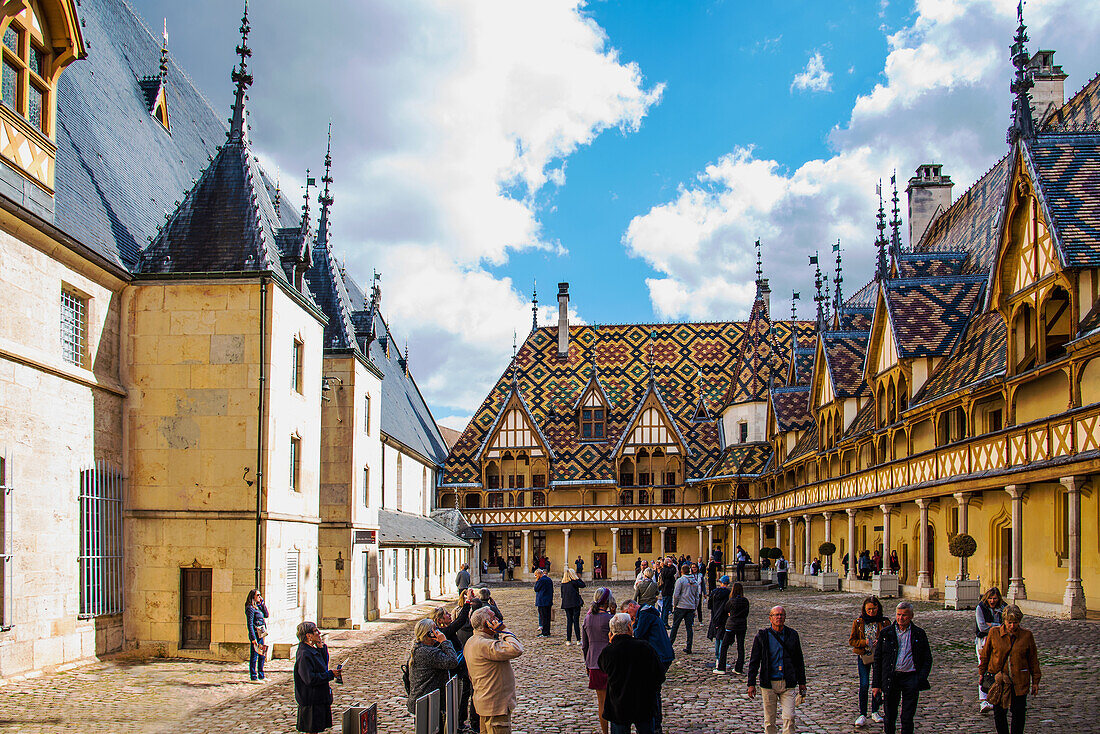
pixel 929 194
pixel 1049 92
pixel 764 293
pixel 563 320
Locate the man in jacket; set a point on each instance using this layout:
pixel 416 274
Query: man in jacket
pixel 903 660
pixel 646 590
pixel 668 585
pixel 648 627
pixel 462 579
pixel 544 599
pixel 685 600
pixel 488 659
pixel 777 658
pixel 634 678
pixel 716 602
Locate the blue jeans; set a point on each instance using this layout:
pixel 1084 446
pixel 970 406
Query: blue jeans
pixel 864 686
pixel 666 608
pixel 641 728
pixel 255 663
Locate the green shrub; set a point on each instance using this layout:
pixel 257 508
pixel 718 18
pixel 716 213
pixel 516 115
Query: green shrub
pixel 827 549
pixel 962 546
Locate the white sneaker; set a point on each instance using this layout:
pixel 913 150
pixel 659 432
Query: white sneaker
pixel 861 721
pixel 876 717
pixel 716 671
pixel 985 707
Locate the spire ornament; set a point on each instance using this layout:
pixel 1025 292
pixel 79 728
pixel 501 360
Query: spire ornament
pixel 238 128
pixel 534 306
pixel 819 300
pixel 1023 122
pixel 325 197
pixel 895 220
pixel 880 242
pixel 838 298
pixel 164 54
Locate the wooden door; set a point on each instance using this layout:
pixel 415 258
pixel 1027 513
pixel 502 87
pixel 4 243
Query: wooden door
pixel 195 597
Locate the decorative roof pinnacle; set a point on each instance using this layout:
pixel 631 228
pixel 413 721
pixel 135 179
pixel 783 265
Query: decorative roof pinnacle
pixel 325 198
pixel 238 129
pixel 838 298
pixel 534 305
pixel 1023 122
pixel 895 220
pixel 164 54
pixel 880 242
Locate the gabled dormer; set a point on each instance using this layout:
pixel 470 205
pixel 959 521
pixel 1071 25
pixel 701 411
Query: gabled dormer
pixel 890 379
pixel 651 450
pixel 40 38
pixel 515 454
pixel 592 410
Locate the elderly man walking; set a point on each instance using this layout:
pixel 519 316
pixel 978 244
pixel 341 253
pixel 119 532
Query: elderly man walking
pixel 488 656
pixel 634 678
pixel 544 600
pixel 903 660
pixel 777 658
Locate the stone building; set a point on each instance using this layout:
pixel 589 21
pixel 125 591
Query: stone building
pixel 957 391
pixel 173 409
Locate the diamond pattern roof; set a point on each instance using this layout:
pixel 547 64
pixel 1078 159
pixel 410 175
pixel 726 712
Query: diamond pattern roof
pixel 928 316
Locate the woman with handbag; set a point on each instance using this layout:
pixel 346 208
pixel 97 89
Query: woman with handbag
pixel 986 617
pixel 1008 668
pixel 864 637
pixel 255 617
pixel 312 692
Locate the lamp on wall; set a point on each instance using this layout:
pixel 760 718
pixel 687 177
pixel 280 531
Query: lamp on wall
pixel 326 386
pixel 339 562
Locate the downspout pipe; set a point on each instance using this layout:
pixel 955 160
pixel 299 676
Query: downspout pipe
pixel 260 433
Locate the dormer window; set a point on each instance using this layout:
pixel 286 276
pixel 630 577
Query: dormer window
pixel 26 88
pixel 593 417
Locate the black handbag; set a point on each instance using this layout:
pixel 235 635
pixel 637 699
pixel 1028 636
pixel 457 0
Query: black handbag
pixel 989 677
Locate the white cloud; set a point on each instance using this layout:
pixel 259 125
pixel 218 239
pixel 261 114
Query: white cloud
pixel 454 122
pixel 814 78
pixel 944 97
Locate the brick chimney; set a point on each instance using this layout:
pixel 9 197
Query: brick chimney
pixel 1049 92
pixel 563 320
pixel 929 194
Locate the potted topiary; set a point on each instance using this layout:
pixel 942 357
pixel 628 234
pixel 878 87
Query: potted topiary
pixel 827 580
pixel 961 592
pixel 774 554
pixel 765 565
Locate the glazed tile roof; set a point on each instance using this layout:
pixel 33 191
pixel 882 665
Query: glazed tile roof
pixel 802 367
pixel 865 297
pixel 760 357
pixel 928 316
pixel 690 361
pixel 1082 110
pixel 970 224
pixel 844 355
pixel 792 408
pixel 742 459
pixel 931 264
pixel 855 318
pixel 979 356
pixel 1067 168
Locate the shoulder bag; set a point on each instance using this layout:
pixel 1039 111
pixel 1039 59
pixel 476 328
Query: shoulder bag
pixel 995 682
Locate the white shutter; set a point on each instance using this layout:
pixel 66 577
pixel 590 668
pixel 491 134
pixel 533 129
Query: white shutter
pixel 292 557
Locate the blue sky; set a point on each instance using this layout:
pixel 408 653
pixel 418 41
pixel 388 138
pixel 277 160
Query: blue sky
pixel 635 149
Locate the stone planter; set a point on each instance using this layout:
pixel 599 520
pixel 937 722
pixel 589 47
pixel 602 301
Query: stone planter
pixel 884 585
pixel 961 593
pixel 767 575
pixel 827 581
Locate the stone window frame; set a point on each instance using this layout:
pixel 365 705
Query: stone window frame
pixel 73 321
pixel 295 463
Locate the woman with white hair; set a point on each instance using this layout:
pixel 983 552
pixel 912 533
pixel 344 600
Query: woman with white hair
pixel 634 678
pixel 431 658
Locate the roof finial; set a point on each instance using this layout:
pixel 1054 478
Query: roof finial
pixel 238 131
pixel 794 305
pixel 534 305
pixel 406 360
pixel 895 220
pixel 759 261
pixel 838 298
pixel 880 243
pixel 310 181
pixel 164 53
pixel 652 336
pixel 819 300
pixel 1023 123
pixel 278 190
pixel 592 348
pixel 325 198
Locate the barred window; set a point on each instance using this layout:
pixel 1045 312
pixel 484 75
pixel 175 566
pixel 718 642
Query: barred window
pixel 292 557
pixel 100 541
pixel 74 327
pixel 5 540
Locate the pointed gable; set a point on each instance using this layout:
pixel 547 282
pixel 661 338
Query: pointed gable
pixel 756 361
pixel 327 284
pixel 515 428
pixel 651 425
pixel 821 385
pixel 1066 171
pixel 882 346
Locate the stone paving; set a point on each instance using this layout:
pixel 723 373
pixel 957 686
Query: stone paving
pixel 204 698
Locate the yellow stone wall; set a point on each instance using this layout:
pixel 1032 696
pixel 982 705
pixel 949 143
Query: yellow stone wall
pixel 56 419
pixel 194 350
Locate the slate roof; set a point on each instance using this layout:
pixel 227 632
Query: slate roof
pixel 792 408
pixel 928 316
pixel 865 297
pixel 980 355
pixel 405 528
pixel 1082 110
pixel 1067 169
pixel 118 170
pixel 329 289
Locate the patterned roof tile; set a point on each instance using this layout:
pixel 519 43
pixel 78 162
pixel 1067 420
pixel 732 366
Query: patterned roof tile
pixel 792 408
pixel 1068 171
pixel 928 316
pixel 979 356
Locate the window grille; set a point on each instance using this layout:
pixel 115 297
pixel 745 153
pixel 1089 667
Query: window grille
pixel 292 557
pixel 74 327
pixel 5 540
pixel 100 541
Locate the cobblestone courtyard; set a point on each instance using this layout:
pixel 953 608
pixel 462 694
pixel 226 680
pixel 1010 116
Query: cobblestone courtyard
pixel 178 696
